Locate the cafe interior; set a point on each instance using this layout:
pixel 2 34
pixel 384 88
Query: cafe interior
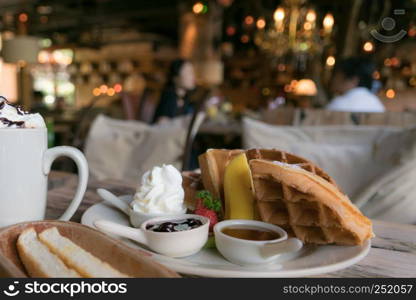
pixel 137 84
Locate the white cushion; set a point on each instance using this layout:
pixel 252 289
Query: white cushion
pixel 346 153
pixel 392 197
pixel 124 150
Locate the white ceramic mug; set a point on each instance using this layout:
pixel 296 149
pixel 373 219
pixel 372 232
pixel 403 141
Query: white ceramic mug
pixel 250 252
pixel 25 162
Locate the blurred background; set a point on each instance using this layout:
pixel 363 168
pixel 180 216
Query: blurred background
pixel 74 59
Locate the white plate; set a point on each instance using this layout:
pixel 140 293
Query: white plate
pixel 311 260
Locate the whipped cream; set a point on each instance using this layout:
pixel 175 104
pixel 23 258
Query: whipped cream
pixel 12 116
pixel 160 192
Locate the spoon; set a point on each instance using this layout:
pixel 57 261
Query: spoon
pixel 136 217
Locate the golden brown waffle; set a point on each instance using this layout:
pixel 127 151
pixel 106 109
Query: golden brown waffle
pixel 214 161
pixel 296 195
pixel 212 164
pixel 282 156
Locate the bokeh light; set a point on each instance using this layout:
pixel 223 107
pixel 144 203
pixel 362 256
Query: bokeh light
pixel 261 23
pixel 330 61
pixel 368 46
pixel 198 8
pixel 390 93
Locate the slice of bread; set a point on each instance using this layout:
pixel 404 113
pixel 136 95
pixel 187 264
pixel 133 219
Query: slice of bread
pixel 76 257
pixel 38 260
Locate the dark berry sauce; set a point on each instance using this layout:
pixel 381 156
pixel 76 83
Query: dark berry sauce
pixel 175 226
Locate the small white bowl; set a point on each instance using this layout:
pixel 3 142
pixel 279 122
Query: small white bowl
pixel 250 252
pixel 137 218
pixel 173 244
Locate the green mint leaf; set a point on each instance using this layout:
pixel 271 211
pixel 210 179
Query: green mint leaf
pixel 209 201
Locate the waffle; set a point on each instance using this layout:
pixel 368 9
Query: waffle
pixel 191 183
pixel 212 164
pixel 293 193
pixel 282 156
pixel 298 197
pixel 214 161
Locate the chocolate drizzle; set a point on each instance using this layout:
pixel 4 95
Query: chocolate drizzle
pixel 10 123
pixel 19 111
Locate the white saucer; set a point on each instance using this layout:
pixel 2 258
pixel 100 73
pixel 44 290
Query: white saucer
pixel 208 262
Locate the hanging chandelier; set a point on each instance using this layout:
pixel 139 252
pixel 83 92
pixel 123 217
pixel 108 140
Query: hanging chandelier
pixel 294 29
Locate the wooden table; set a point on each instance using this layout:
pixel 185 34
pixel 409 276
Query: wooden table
pixel 393 252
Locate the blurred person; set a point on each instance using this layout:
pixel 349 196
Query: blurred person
pixel 352 82
pixel 60 105
pixel 174 100
pixel 38 104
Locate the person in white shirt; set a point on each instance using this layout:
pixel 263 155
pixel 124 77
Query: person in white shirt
pixel 352 81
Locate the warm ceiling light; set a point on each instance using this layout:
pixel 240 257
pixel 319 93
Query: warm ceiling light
pixel 249 20
pixel 305 87
pixel 328 21
pixel 330 61
pixel 96 92
pixel 311 16
pixel 279 14
pixel 395 62
pixel 307 26
pixel 293 83
pixel 261 23
pixel 198 8
pixel 111 92
pixel 245 38
pixel 23 17
pixel 368 47
pixel 43 57
pixel 118 87
pixel 103 88
pixel 390 93
pixel 230 30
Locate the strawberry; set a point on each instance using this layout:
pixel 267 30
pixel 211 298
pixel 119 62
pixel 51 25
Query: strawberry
pixel 208 206
pixel 210 214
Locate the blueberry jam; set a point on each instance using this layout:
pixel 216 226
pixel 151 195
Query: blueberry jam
pixel 175 226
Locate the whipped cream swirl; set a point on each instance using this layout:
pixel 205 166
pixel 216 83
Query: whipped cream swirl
pixel 160 192
pixel 12 116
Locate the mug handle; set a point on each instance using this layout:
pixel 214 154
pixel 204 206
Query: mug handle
pixel 81 162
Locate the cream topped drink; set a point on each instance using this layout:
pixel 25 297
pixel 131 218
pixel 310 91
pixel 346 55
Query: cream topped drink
pixel 13 116
pixel 25 162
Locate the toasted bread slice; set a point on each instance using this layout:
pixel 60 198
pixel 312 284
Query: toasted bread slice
pixel 76 257
pixel 38 260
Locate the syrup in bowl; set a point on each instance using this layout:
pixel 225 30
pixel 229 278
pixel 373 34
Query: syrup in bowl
pixel 251 233
pixel 251 242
